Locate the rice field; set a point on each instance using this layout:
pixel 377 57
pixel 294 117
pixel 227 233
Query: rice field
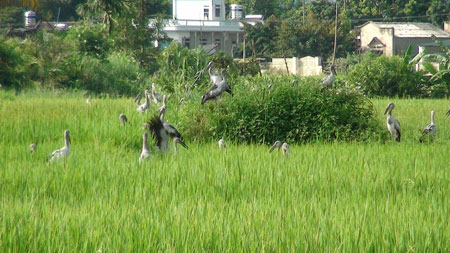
pixel 338 196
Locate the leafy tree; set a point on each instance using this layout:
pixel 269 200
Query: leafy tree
pixel 440 78
pixel 387 76
pixel 12 64
pixel 106 10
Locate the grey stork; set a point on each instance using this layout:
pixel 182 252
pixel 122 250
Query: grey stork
pixel 162 109
pixel 162 131
pixel 145 153
pixel 123 119
pixel 144 107
pixel 138 98
pixel 62 152
pixel 328 80
pixel 155 95
pixel 276 144
pixel 216 90
pixel 430 129
pixel 392 123
pixel 214 77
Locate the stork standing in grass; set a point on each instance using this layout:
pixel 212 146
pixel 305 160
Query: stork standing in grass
pixel 392 123
pixel 62 152
pixel 285 148
pixel 138 98
pixel 145 153
pixel 157 97
pixel 88 101
pixel 214 77
pixel 162 109
pixel 162 132
pixel 33 147
pixel 276 144
pixel 144 107
pixel 430 129
pixel 216 90
pixel 328 80
pixel 222 143
pixel 123 119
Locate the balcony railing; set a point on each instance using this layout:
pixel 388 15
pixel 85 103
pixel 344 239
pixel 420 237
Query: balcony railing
pixel 209 23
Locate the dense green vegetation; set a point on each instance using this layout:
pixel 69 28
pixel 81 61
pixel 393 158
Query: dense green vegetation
pixel 268 108
pixel 341 196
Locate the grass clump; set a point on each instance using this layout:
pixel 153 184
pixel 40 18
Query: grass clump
pixel 271 108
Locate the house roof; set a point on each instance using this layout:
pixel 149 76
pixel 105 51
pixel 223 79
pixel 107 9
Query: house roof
pixel 445 42
pixel 411 29
pixel 376 43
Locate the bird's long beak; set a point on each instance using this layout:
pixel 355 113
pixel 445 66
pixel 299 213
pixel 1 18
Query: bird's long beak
pixel 183 144
pixel 387 109
pixel 68 138
pixel 272 148
pixel 448 113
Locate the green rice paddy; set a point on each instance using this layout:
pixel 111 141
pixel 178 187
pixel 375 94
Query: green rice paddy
pixel 338 196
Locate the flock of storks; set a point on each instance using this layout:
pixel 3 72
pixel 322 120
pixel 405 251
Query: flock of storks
pixel 393 125
pixel 163 131
pixel 157 125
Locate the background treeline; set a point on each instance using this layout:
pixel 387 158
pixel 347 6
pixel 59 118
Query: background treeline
pixel 111 50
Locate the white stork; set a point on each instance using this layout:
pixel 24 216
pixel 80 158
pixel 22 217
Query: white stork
pixel 33 147
pixel 145 153
pixel 62 152
pixel 285 148
pixel 430 129
pixel 222 143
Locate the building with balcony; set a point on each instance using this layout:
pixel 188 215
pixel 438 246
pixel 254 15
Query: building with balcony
pixel 203 23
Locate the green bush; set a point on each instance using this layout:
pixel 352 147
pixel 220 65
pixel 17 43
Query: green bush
pixel 269 108
pixel 386 76
pixel 118 74
pixel 13 64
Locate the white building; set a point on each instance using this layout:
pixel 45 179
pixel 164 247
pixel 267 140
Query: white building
pixel 202 23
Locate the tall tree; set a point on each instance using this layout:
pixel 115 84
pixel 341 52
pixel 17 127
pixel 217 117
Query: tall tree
pixel 107 10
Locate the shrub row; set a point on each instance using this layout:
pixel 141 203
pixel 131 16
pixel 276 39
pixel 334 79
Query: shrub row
pixel 269 108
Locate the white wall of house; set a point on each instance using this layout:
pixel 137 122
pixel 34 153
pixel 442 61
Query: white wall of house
pixel 199 9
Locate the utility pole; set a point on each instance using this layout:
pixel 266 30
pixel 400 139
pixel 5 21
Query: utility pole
pixel 335 33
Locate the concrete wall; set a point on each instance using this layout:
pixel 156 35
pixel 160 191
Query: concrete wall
pixel 306 66
pixel 194 9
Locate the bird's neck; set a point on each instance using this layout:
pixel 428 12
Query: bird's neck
pixel 66 143
pixel 145 144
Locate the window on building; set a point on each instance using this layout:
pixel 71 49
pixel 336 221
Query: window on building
pixel 217 10
pixel 204 41
pixel 206 12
